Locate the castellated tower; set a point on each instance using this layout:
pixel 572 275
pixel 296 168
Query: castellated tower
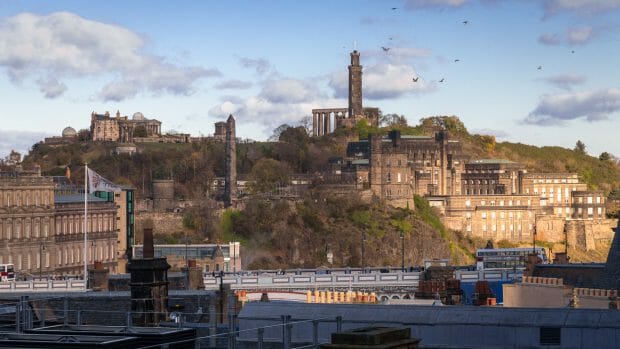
pixel 230 183
pixel 355 85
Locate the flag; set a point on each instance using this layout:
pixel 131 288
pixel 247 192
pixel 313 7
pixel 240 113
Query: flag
pixel 97 183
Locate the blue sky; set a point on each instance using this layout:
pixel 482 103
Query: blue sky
pixel 191 63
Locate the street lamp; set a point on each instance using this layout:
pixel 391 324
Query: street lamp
pixel 402 250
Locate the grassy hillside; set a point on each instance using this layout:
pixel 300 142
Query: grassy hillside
pixel 302 233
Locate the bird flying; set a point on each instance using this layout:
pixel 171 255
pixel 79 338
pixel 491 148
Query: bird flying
pixel 416 79
pixel 539 67
pixel 441 80
pixel 385 49
pixel 457 60
pixel 394 8
pixel 465 22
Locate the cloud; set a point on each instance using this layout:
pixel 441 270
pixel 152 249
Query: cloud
pixel 590 105
pixel 51 87
pixel 586 7
pixel 234 85
pixel 279 101
pixel 382 81
pixel 64 45
pixel 566 81
pixel 260 65
pixel 433 4
pixel 571 37
pixel 20 141
pixel 289 91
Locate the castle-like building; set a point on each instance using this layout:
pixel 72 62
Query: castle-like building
pixel 122 129
pixel 325 121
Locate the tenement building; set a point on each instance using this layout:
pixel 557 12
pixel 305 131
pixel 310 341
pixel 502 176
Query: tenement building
pixel 325 121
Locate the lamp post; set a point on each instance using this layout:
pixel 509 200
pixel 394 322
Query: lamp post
pixel 402 250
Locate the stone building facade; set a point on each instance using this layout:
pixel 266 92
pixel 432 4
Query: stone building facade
pixel 492 177
pixel 400 167
pixel 325 121
pixel 208 257
pixel 41 226
pixel 588 205
pixel 495 217
pixel 27 221
pixel 119 128
pixel 102 233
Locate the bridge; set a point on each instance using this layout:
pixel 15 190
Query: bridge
pixel 376 279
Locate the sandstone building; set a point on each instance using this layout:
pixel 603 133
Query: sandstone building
pixel 41 226
pixel 119 128
pixel 325 121
pixel 399 167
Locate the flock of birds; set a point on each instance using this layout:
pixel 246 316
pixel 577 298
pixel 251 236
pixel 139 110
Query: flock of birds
pixel 456 60
pixel 416 78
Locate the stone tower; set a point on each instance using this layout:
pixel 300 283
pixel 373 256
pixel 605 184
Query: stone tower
pixel 355 85
pixel 230 184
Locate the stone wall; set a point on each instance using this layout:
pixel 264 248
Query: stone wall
pixel 163 223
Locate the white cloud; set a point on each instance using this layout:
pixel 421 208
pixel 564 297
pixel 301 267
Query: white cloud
pixel 279 101
pixel 566 81
pixel 20 141
pixel 579 35
pixel 289 91
pixel 590 105
pixel 417 4
pixel 572 36
pixel 64 45
pixel 234 85
pixel 382 81
pixel 580 6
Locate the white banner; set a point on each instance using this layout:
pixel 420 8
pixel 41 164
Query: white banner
pixel 97 183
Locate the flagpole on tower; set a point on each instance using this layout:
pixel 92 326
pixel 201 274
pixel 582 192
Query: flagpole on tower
pixel 85 226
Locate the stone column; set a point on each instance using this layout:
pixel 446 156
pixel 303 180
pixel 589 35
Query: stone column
pixel 326 123
pixel 314 124
pixel 320 119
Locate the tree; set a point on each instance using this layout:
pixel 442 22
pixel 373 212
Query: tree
pixel 605 156
pixel 306 123
pixel 391 120
pixel 139 131
pixel 277 132
pixel 267 175
pixel 580 147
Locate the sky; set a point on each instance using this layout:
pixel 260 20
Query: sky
pixel 541 72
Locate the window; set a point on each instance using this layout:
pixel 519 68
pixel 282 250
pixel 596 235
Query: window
pixel 550 336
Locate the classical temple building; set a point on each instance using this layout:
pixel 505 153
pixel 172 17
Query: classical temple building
pixel 325 121
pixel 122 129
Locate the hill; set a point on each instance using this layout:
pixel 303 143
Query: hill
pixel 301 233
